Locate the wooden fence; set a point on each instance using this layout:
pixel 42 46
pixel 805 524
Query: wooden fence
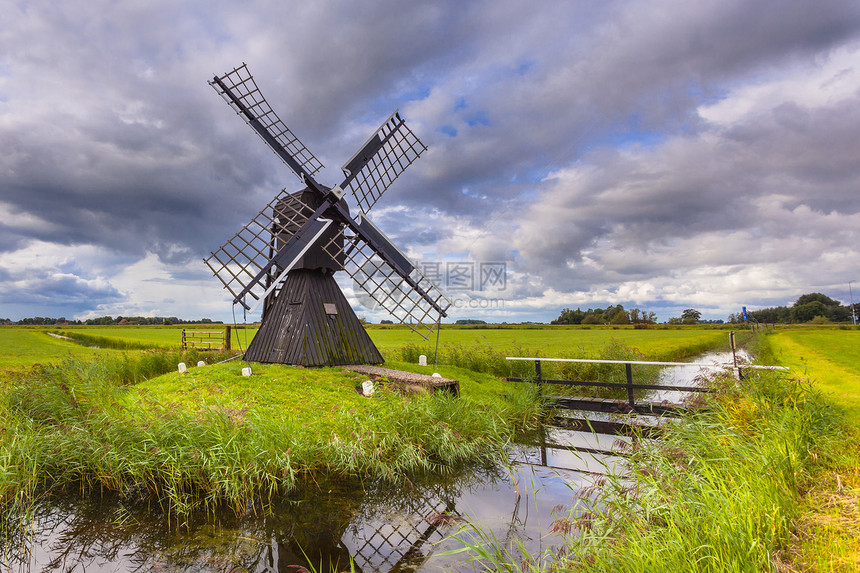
pixel 206 339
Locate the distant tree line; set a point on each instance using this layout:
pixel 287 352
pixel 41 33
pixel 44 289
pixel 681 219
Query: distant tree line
pixel 609 315
pixel 692 316
pixel 109 320
pixel 811 307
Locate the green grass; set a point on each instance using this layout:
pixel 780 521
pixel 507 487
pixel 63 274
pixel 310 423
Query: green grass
pixel 148 336
pixel 828 537
pixel 662 343
pixel 830 358
pixel 212 436
pixel 767 478
pixel 23 347
pixel 479 349
pixel 553 341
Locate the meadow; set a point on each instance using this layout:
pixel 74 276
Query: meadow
pixel 395 342
pixel 830 358
pixel 22 347
pixel 129 421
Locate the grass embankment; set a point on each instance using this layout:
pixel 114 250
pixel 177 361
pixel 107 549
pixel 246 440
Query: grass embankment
pixel 719 492
pixel 828 534
pixel 212 436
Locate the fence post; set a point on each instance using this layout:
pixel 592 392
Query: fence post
pixel 183 339
pixel 735 370
pixel 538 379
pixel 227 337
pixel 629 370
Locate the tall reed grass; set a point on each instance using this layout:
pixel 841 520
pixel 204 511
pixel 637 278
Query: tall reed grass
pixel 96 341
pixel 485 358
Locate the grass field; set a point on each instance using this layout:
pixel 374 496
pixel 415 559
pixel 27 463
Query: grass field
pixel 22 347
pixel 557 341
pixel 828 534
pixel 829 358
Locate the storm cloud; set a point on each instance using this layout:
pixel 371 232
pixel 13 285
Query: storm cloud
pixel 650 153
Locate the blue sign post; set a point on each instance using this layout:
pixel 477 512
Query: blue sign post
pixel 744 313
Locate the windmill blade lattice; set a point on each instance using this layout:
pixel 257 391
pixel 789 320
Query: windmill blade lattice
pixel 402 541
pixel 416 301
pixel 238 261
pixel 248 102
pixel 380 161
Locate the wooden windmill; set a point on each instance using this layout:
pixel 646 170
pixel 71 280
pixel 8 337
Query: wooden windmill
pixel 286 256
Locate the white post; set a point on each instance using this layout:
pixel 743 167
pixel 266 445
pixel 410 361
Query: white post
pixel 851 294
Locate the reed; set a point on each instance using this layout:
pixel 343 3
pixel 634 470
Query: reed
pixel 485 358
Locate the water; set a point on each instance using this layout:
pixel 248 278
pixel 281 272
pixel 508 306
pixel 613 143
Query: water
pixel 328 522
pixel 379 527
pixel 691 375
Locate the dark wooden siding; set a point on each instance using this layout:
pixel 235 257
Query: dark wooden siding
pixel 298 330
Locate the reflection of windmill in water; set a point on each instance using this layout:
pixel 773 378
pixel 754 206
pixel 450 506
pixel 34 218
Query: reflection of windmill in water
pixel 388 531
pixel 286 256
pixel 402 543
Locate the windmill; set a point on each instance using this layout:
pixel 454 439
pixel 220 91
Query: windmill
pixel 286 256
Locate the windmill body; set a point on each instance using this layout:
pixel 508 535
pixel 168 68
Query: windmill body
pixel 285 258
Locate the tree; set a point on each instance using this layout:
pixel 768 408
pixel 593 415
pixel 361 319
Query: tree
pixel 690 316
pixel 814 304
pixel 620 318
pixel 808 311
pixel 816 297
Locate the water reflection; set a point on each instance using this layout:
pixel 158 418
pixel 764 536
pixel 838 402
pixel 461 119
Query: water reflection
pixel 692 375
pixel 324 527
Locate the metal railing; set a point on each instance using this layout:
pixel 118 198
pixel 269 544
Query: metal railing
pixel 629 385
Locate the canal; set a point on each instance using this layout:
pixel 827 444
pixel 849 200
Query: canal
pixel 332 524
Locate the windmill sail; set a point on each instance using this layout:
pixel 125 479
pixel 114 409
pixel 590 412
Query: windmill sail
pixel 303 232
pixel 239 89
pixel 381 160
pixel 390 279
pixel 249 252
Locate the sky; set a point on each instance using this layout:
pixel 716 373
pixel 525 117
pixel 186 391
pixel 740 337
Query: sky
pixel 655 154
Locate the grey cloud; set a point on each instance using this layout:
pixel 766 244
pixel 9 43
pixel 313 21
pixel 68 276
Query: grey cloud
pixel 112 137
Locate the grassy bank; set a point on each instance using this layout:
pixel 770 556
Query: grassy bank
pixel 828 533
pixel 211 436
pixel 719 492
